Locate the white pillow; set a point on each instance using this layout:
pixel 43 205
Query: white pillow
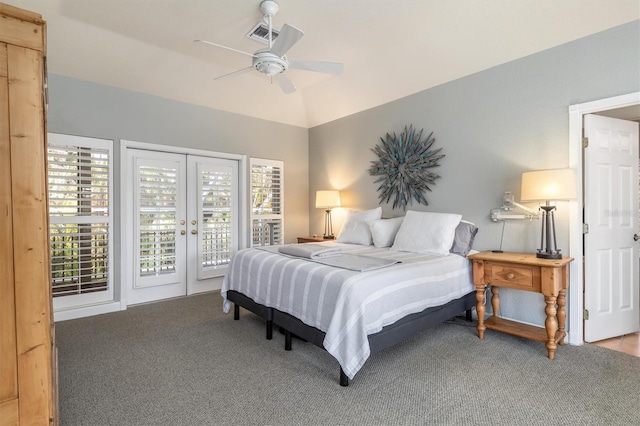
pixel 356 226
pixel 383 231
pixel 427 232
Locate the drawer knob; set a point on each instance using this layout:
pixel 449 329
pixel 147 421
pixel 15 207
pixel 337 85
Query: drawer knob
pixel 510 276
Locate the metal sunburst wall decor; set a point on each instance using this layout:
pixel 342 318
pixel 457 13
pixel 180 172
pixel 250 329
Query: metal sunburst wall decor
pixel 404 164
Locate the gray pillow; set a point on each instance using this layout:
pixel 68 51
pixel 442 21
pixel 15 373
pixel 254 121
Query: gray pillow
pixel 463 240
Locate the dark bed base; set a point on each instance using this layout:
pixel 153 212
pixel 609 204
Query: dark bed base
pixel 240 299
pixel 388 336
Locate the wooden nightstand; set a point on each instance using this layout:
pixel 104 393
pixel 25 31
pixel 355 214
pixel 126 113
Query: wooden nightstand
pixel 523 272
pixel 312 239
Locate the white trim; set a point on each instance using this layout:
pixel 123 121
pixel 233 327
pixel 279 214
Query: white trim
pixel 245 215
pixel 178 150
pixel 576 279
pixel 88 311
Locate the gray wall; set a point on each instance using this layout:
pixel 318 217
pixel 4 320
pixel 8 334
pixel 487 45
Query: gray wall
pixel 492 126
pixel 82 108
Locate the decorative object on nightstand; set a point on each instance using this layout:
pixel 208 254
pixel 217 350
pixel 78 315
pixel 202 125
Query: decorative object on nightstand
pixel 548 185
pixel 508 212
pixel 327 199
pixel 403 166
pixel 523 272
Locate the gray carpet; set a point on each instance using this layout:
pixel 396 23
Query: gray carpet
pixel 183 362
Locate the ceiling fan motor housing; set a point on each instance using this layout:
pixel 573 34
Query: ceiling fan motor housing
pixel 269 7
pixel 268 63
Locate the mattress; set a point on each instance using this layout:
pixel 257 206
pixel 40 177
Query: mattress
pixel 348 305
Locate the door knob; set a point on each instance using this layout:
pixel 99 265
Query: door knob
pixel 183 232
pixel 636 237
pixel 194 231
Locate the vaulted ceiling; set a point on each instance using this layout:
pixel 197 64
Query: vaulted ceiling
pixel 389 48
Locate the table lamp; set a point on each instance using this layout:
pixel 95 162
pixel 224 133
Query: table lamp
pixel 327 199
pixel 548 186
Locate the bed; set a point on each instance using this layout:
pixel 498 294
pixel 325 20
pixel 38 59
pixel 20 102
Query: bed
pixel 351 312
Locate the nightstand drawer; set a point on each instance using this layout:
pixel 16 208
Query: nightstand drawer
pixel 519 277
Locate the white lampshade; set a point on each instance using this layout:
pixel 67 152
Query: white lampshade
pixel 327 199
pixel 557 184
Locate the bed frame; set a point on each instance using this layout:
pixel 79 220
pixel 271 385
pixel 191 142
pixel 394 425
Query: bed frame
pixel 388 336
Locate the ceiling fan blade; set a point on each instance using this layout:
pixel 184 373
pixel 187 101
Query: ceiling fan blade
pixel 289 35
pixel 224 47
pixel 285 83
pixel 325 67
pixel 234 73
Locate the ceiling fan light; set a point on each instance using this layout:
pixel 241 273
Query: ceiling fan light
pixel 269 68
pixel 268 63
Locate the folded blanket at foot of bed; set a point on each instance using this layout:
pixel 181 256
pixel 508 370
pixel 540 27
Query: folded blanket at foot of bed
pixel 310 250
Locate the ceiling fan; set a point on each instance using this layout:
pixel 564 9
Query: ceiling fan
pixel 272 61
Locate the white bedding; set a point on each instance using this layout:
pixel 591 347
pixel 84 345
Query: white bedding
pixel 345 304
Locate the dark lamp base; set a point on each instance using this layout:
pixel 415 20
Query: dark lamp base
pixel 329 237
pixel 549 255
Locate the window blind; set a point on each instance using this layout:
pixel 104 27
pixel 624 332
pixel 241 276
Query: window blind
pixel 216 221
pixel 157 198
pixel 79 178
pixel 267 202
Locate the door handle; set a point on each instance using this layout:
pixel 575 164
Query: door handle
pixel 636 237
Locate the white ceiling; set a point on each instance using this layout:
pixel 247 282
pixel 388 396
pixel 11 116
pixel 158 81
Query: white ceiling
pixel 389 48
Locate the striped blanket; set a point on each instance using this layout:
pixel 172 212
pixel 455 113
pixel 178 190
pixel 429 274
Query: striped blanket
pixel 348 305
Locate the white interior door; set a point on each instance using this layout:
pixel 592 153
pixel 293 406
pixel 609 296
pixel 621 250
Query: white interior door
pixel 213 220
pixel 611 211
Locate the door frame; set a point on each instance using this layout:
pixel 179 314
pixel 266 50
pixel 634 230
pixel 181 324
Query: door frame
pixel 576 272
pixel 243 215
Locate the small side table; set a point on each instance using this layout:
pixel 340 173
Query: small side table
pixel 312 239
pixel 523 272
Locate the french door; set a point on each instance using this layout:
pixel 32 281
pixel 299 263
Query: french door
pixel 180 213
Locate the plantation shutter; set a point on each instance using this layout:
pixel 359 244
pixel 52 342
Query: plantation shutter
pixel 267 202
pixel 80 211
pixel 217 189
pixel 158 221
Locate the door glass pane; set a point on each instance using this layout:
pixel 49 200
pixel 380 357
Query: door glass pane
pixel 157 198
pixel 216 189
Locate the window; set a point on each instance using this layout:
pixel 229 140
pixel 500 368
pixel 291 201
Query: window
pixel 80 175
pixel 267 199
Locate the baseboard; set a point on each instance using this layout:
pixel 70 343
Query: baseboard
pixel 87 311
